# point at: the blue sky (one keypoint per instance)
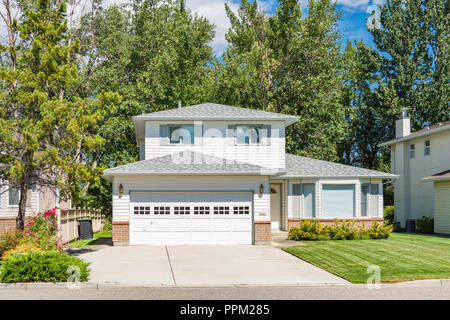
(352, 23)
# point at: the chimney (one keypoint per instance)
(403, 125)
(179, 104)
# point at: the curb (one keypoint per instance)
(96, 286)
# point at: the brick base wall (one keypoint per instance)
(7, 225)
(367, 222)
(120, 232)
(263, 231)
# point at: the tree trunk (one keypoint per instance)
(20, 220)
(24, 186)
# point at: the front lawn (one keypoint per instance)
(90, 242)
(402, 257)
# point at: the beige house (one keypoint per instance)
(38, 200)
(417, 157)
(441, 185)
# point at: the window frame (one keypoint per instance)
(172, 127)
(412, 150)
(9, 205)
(366, 196)
(255, 127)
(425, 147)
(322, 197)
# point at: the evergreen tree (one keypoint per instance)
(45, 127)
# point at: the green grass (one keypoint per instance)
(88, 243)
(402, 257)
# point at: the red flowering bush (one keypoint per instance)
(43, 231)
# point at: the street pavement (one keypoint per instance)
(418, 290)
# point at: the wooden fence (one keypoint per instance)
(67, 220)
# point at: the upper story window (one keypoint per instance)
(412, 151)
(177, 134)
(427, 150)
(249, 134)
(181, 134)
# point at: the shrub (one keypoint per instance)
(380, 230)
(21, 248)
(425, 225)
(107, 226)
(35, 266)
(342, 231)
(42, 230)
(388, 213)
(10, 240)
(308, 230)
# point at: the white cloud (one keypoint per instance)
(214, 11)
(360, 4)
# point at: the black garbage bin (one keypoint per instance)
(410, 225)
(85, 229)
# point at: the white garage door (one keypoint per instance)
(161, 218)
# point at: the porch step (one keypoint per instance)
(278, 235)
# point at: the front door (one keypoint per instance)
(275, 206)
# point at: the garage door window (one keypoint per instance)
(221, 210)
(338, 201)
(161, 210)
(141, 210)
(201, 210)
(241, 210)
(182, 210)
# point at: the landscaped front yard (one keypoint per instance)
(402, 257)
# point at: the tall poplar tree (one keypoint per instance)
(290, 64)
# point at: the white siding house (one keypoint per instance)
(216, 174)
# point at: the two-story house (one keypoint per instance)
(420, 158)
(217, 174)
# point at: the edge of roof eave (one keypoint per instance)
(432, 179)
(395, 176)
(263, 173)
(414, 135)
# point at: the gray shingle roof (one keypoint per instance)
(189, 163)
(214, 111)
(300, 167)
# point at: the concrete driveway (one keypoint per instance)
(203, 266)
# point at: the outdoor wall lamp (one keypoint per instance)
(261, 190)
(121, 189)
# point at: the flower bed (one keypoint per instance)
(37, 253)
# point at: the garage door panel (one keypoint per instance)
(191, 218)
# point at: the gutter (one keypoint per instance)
(415, 135)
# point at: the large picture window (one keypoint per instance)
(338, 201)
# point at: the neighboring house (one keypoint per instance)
(441, 201)
(37, 201)
(216, 174)
(419, 157)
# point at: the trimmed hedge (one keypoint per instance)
(345, 230)
(35, 266)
